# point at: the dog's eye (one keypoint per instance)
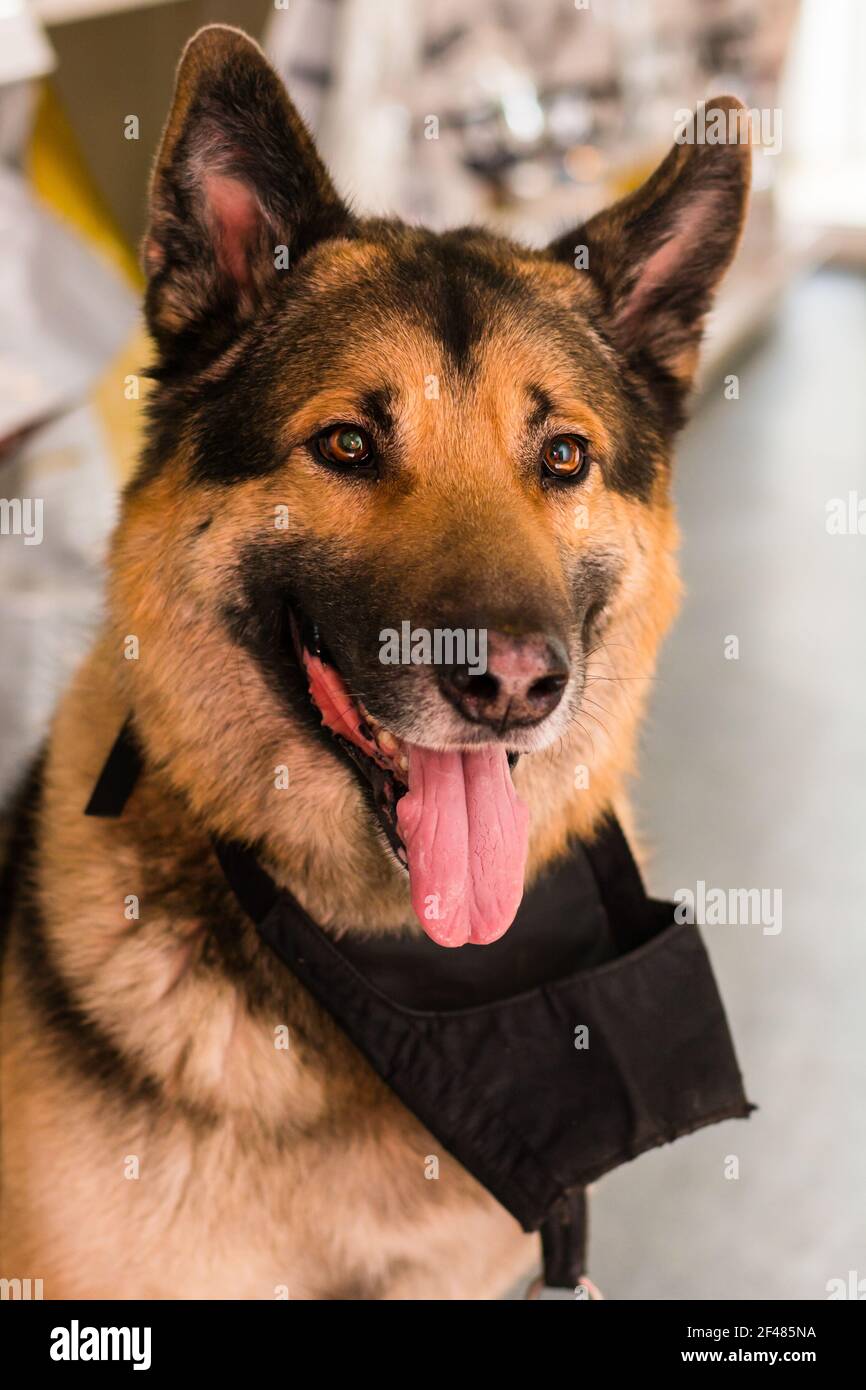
(565, 456)
(344, 445)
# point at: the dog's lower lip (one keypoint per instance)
(356, 733)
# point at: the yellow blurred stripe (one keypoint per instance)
(59, 176)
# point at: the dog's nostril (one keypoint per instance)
(546, 686)
(483, 688)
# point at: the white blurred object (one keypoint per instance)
(25, 52)
(51, 592)
(25, 55)
(65, 313)
(347, 64)
(824, 148)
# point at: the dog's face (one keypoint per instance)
(409, 487)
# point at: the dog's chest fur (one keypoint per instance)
(190, 1124)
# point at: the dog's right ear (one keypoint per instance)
(238, 194)
(657, 255)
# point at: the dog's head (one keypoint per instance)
(405, 502)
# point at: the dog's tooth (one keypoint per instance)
(402, 762)
(387, 742)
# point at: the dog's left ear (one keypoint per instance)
(238, 195)
(657, 255)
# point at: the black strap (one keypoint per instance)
(253, 887)
(620, 885)
(118, 777)
(564, 1238)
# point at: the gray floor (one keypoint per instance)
(754, 775)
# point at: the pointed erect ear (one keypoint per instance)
(238, 194)
(656, 256)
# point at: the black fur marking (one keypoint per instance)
(636, 465)
(375, 405)
(277, 581)
(259, 621)
(456, 320)
(92, 1052)
(18, 818)
(594, 585)
(454, 285)
(542, 408)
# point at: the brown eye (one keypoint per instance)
(565, 455)
(344, 445)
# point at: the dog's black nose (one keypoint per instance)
(523, 682)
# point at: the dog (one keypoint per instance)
(355, 425)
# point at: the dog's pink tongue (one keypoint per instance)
(466, 833)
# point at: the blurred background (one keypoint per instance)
(528, 117)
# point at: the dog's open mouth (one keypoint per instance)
(452, 817)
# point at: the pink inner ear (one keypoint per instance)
(662, 266)
(234, 213)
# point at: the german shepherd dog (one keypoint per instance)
(355, 424)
